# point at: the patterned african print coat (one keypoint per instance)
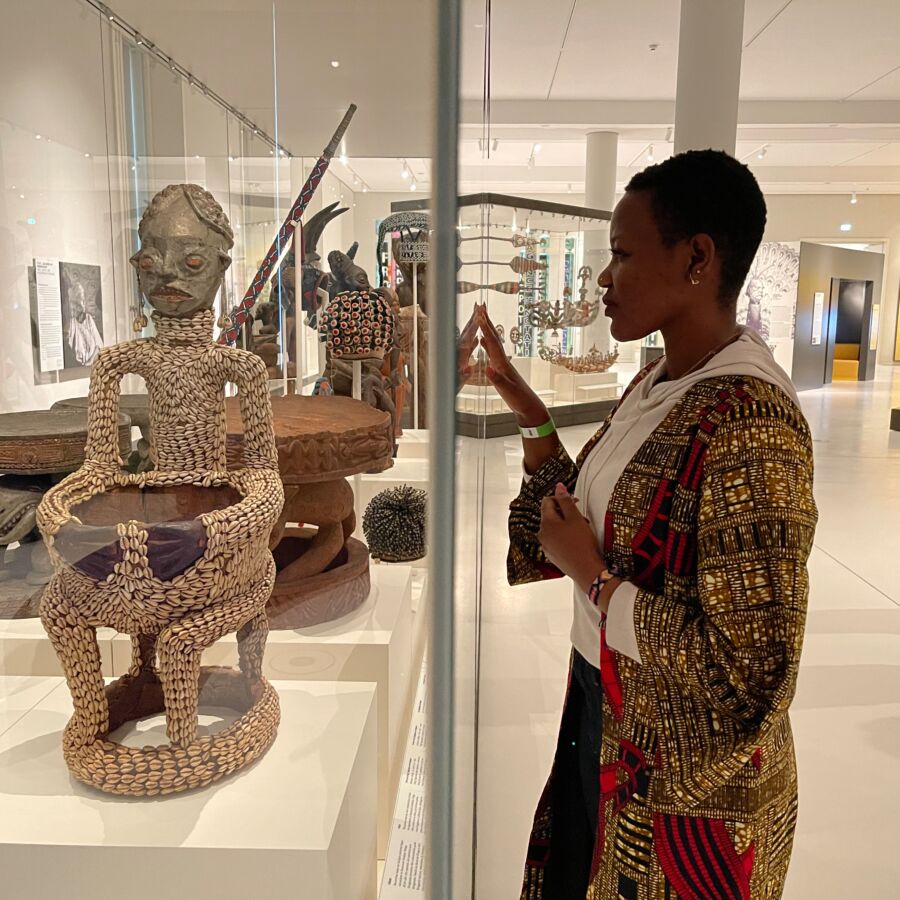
(713, 520)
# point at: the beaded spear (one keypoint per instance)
(238, 315)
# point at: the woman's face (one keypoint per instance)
(647, 283)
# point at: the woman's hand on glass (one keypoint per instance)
(465, 347)
(504, 376)
(568, 540)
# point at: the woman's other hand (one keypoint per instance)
(568, 540)
(503, 375)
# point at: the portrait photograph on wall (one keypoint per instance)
(82, 313)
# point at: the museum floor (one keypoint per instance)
(846, 715)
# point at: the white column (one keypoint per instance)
(601, 161)
(709, 74)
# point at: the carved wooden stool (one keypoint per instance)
(323, 572)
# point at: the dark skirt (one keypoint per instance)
(576, 786)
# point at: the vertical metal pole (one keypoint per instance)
(415, 344)
(442, 425)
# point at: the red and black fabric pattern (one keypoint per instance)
(698, 858)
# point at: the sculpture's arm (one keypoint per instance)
(111, 365)
(249, 373)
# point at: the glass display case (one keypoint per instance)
(535, 264)
(213, 551)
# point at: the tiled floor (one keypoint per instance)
(847, 711)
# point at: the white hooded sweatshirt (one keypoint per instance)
(639, 415)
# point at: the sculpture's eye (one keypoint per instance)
(194, 262)
(147, 262)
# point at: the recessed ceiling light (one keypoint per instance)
(87, 155)
(37, 137)
(21, 196)
(846, 227)
(335, 64)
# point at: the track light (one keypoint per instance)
(854, 199)
(537, 148)
(651, 156)
(761, 153)
(495, 145)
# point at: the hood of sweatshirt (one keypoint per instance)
(748, 356)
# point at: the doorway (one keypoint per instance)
(851, 306)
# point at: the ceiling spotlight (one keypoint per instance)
(414, 187)
(569, 191)
(538, 148)
(761, 153)
(365, 189)
(405, 173)
(21, 196)
(846, 227)
(335, 64)
(196, 156)
(355, 180)
(343, 159)
(854, 199)
(139, 40)
(87, 155)
(650, 155)
(670, 134)
(231, 159)
(37, 137)
(495, 145)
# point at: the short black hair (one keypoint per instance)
(708, 192)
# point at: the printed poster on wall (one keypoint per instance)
(768, 300)
(49, 314)
(69, 314)
(818, 317)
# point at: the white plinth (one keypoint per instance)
(578, 388)
(299, 823)
(25, 649)
(413, 444)
(372, 644)
(537, 372)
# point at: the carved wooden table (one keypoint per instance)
(323, 572)
(36, 449)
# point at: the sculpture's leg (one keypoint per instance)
(251, 646)
(180, 646)
(143, 653)
(252, 637)
(75, 643)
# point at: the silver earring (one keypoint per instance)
(695, 280)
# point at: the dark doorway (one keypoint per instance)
(853, 299)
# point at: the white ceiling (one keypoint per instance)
(820, 83)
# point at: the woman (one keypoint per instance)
(685, 525)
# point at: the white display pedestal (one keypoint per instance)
(374, 643)
(537, 372)
(485, 399)
(25, 649)
(572, 387)
(299, 823)
(413, 444)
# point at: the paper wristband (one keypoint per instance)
(541, 431)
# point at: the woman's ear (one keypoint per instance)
(703, 255)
